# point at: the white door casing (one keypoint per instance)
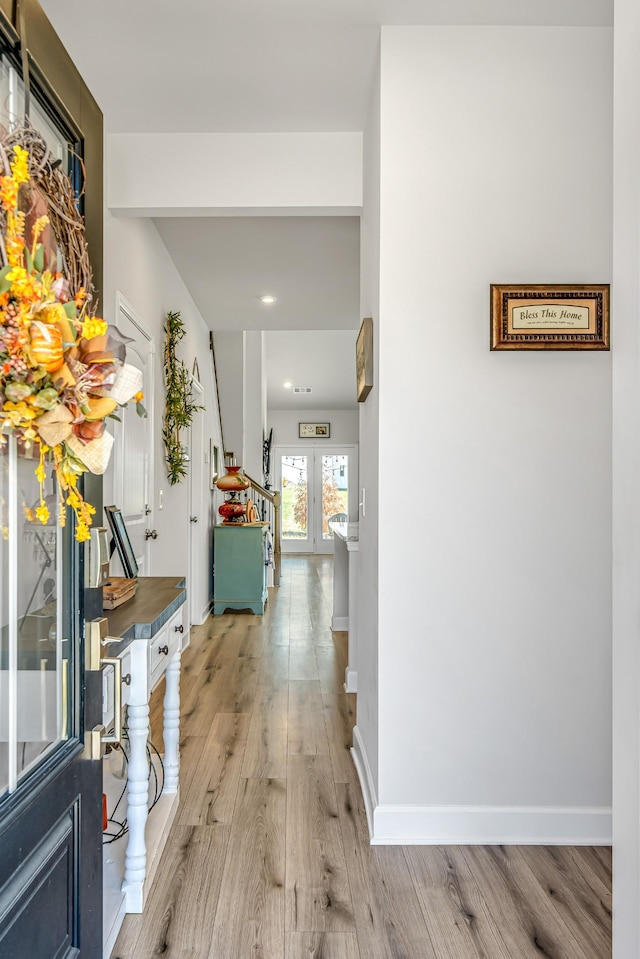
(133, 447)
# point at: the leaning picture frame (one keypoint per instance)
(214, 464)
(364, 360)
(558, 316)
(121, 541)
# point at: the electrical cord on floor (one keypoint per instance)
(123, 827)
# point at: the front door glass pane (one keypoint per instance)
(34, 674)
(35, 669)
(335, 492)
(295, 498)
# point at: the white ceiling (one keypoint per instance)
(311, 264)
(324, 360)
(258, 65)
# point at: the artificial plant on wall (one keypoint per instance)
(179, 408)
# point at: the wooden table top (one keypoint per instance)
(156, 600)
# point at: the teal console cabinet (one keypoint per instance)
(240, 573)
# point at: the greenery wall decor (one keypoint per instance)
(179, 409)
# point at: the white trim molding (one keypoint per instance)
(367, 785)
(350, 680)
(340, 623)
(491, 825)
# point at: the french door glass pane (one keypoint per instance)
(335, 492)
(34, 675)
(295, 488)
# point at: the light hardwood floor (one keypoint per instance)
(269, 855)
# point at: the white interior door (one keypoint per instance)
(198, 573)
(133, 448)
(317, 484)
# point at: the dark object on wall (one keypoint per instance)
(550, 316)
(266, 460)
(364, 359)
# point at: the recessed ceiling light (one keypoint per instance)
(268, 298)
(287, 385)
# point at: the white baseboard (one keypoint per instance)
(491, 825)
(340, 623)
(367, 785)
(350, 681)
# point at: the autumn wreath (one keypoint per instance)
(62, 369)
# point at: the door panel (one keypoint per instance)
(50, 817)
(294, 468)
(50, 796)
(334, 496)
(44, 894)
(199, 494)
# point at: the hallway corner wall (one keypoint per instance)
(626, 482)
(494, 585)
(366, 736)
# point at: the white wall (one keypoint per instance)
(366, 736)
(494, 668)
(232, 173)
(626, 483)
(137, 264)
(344, 426)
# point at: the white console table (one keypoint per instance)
(345, 594)
(152, 634)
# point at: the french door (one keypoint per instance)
(319, 485)
(50, 699)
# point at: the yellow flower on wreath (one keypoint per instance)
(24, 284)
(42, 513)
(8, 192)
(17, 414)
(93, 326)
(20, 165)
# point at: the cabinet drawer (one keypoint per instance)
(126, 671)
(163, 646)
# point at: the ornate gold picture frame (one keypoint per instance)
(550, 317)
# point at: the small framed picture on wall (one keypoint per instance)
(314, 431)
(556, 316)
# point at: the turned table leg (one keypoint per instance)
(137, 800)
(171, 728)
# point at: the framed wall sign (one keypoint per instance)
(550, 317)
(364, 359)
(314, 430)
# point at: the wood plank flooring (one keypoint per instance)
(269, 855)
